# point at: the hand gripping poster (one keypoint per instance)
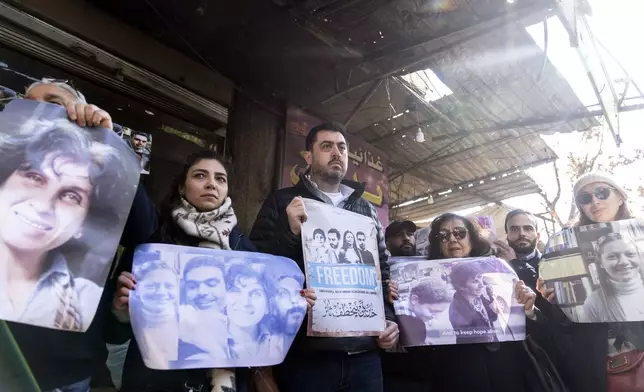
(65, 195)
(204, 308)
(456, 301)
(596, 271)
(342, 265)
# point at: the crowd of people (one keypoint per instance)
(558, 355)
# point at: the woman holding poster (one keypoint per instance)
(198, 213)
(59, 187)
(599, 357)
(486, 367)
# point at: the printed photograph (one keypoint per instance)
(342, 265)
(65, 195)
(456, 301)
(141, 144)
(599, 278)
(184, 294)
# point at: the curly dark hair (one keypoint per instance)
(480, 246)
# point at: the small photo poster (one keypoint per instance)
(343, 266)
(456, 301)
(199, 308)
(597, 271)
(141, 144)
(65, 195)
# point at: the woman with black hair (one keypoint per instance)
(349, 253)
(483, 367)
(198, 212)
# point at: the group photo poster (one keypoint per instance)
(456, 301)
(343, 266)
(65, 196)
(141, 144)
(199, 308)
(597, 271)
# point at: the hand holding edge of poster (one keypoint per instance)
(596, 271)
(251, 300)
(341, 259)
(434, 306)
(90, 176)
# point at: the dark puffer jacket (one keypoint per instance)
(272, 234)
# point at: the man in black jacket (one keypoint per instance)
(521, 250)
(313, 363)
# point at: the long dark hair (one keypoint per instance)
(169, 230)
(480, 246)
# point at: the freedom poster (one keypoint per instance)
(596, 271)
(65, 195)
(456, 301)
(343, 266)
(199, 308)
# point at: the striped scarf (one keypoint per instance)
(213, 228)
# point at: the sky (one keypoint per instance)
(612, 22)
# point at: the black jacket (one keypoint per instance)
(136, 376)
(272, 234)
(59, 358)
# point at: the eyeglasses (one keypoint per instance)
(601, 193)
(459, 233)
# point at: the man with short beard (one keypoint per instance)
(521, 250)
(329, 364)
(290, 313)
(365, 255)
(400, 238)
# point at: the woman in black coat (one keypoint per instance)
(198, 212)
(482, 367)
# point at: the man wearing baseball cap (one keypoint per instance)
(400, 240)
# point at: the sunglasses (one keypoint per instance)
(601, 193)
(458, 232)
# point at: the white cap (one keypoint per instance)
(591, 177)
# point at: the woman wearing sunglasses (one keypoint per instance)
(484, 367)
(586, 351)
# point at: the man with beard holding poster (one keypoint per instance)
(350, 364)
(521, 250)
(400, 238)
(65, 360)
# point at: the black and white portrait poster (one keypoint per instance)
(206, 308)
(343, 266)
(456, 301)
(596, 271)
(65, 195)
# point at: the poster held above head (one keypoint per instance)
(456, 301)
(65, 194)
(597, 271)
(251, 301)
(345, 273)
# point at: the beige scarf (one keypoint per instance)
(212, 228)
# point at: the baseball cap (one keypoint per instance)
(396, 227)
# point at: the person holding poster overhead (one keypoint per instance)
(316, 363)
(486, 367)
(599, 356)
(66, 360)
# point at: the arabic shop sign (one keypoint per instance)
(366, 163)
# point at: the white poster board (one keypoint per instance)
(342, 265)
